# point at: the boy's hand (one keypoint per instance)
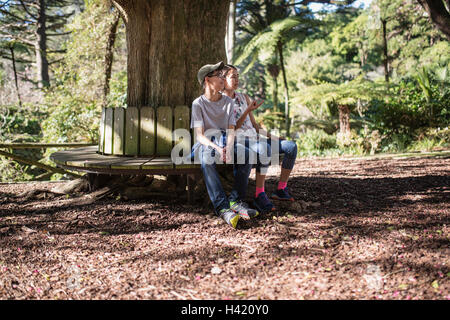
(223, 153)
(255, 105)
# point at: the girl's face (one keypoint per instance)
(232, 80)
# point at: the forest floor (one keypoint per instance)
(361, 228)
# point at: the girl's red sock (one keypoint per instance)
(282, 185)
(258, 191)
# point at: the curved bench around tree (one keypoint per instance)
(134, 141)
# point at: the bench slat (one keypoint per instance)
(133, 163)
(148, 127)
(164, 129)
(158, 163)
(119, 130)
(101, 135)
(109, 121)
(131, 131)
(182, 121)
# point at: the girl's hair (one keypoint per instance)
(227, 68)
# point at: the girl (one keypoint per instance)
(247, 126)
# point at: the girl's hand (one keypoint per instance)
(255, 105)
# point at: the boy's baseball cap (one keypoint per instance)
(207, 69)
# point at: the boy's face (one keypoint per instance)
(215, 80)
(232, 80)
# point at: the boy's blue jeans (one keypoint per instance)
(216, 193)
(241, 171)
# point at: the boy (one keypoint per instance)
(214, 123)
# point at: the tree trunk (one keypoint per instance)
(274, 71)
(231, 34)
(109, 57)
(286, 92)
(439, 14)
(41, 47)
(385, 52)
(167, 42)
(344, 120)
(11, 48)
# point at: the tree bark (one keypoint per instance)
(11, 48)
(286, 90)
(109, 55)
(43, 77)
(274, 71)
(385, 52)
(344, 120)
(167, 42)
(439, 14)
(231, 34)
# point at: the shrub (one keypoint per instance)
(315, 142)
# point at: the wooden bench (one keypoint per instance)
(135, 141)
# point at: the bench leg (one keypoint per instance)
(190, 188)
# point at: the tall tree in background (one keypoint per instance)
(34, 23)
(267, 25)
(109, 55)
(16, 82)
(404, 32)
(439, 13)
(265, 28)
(230, 38)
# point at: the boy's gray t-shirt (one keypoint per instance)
(213, 114)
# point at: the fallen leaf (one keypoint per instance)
(28, 230)
(435, 284)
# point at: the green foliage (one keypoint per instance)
(322, 98)
(20, 125)
(431, 139)
(407, 108)
(357, 42)
(74, 103)
(73, 120)
(269, 119)
(315, 63)
(317, 142)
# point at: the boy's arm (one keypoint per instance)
(230, 143)
(200, 134)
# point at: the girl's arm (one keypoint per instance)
(241, 120)
(258, 129)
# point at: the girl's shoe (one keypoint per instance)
(263, 204)
(282, 194)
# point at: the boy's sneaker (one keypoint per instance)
(282, 194)
(263, 204)
(242, 209)
(230, 217)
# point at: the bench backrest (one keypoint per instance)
(145, 131)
